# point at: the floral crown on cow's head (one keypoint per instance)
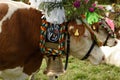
(73, 8)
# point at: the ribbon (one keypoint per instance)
(92, 17)
(110, 23)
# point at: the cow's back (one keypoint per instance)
(19, 36)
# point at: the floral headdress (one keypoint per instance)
(75, 8)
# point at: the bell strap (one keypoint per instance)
(68, 50)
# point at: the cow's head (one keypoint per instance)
(81, 41)
(104, 33)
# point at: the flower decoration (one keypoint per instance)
(91, 9)
(76, 3)
(75, 8)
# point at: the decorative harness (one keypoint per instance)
(52, 33)
(52, 40)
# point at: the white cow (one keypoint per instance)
(112, 54)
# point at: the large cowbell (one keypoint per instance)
(52, 44)
(54, 66)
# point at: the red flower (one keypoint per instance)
(77, 3)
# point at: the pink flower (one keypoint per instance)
(77, 3)
(91, 9)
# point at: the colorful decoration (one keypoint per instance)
(53, 11)
(58, 11)
(76, 8)
(110, 23)
(77, 3)
(92, 17)
(52, 34)
(106, 26)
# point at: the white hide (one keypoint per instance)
(13, 74)
(112, 54)
(12, 9)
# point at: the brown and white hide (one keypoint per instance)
(19, 39)
(80, 44)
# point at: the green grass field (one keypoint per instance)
(83, 70)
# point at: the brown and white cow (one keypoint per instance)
(82, 43)
(19, 41)
(19, 38)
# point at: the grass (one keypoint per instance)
(83, 70)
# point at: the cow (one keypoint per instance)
(20, 54)
(82, 38)
(112, 54)
(19, 37)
